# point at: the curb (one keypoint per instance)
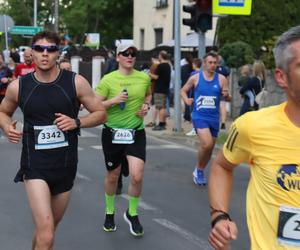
(179, 137)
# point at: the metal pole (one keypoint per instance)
(56, 15)
(177, 57)
(201, 44)
(35, 13)
(5, 29)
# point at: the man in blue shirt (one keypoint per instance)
(208, 88)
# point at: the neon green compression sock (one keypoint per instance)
(110, 203)
(133, 205)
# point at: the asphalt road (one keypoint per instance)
(173, 210)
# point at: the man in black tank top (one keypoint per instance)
(49, 99)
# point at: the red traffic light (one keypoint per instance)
(204, 5)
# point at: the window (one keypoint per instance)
(158, 36)
(142, 39)
(161, 4)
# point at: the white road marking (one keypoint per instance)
(86, 134)
(185, 147)
(201, 243)
(166, 146)
(142, 204)
(83, 177)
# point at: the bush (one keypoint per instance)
(237, 54)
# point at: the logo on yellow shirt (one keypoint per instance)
(288, 177)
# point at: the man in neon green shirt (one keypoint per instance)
(126, 95)
(268, 140)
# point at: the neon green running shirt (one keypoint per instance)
(137, 85)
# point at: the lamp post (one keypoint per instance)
(177, 56)
(56, 3)
(35, 13)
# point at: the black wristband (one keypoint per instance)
(223, 216)
(78, 124)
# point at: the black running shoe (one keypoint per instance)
(109, 223)
(135, 227)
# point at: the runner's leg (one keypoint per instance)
(59, 205)
(39, 198)
(207, 143)
(111, 180)
(136, 172)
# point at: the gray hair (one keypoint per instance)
(282, 50)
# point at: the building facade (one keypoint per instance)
(154, 23)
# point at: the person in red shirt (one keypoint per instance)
(26, 67)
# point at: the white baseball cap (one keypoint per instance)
(125, 46)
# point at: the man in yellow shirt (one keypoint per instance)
(269, 141)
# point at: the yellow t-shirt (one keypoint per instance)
(270, 143)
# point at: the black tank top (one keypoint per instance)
(39, 103)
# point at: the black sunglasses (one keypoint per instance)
(42, 48)
(128, 53)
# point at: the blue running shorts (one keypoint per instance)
(214, 126)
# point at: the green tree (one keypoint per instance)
(237, 54)
(22, 14)
(111, 18)
(268, 19)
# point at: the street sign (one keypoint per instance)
(25, 30)
(232, 7)
(6, 22)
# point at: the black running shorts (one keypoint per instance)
(114, 153)
(59, 180)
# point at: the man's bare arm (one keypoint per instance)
(190, 84)
(146, 105)
(7, 108)
(225, 87)
(91, 102)
(219, 190)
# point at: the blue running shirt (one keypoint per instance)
(207, 98)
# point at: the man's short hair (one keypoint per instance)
(282, 52)
(164, 55)
(211, 53)
(50, 36)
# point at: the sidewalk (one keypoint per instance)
(170, 134)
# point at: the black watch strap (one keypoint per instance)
(222, 216)
(78, 123)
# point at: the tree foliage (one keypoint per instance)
(267, 20)
(112, 19)
(237, 54)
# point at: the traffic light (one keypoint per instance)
(204, 15)
(201, 15)
(192, 9)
